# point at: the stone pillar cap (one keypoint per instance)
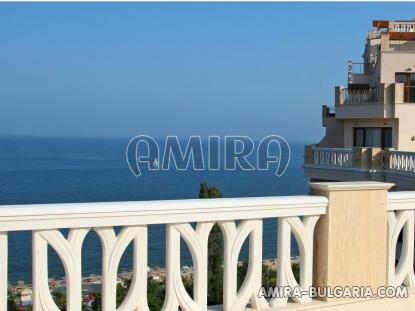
(350, 186)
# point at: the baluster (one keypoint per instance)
(69, 251)
(316, 157)
(403, 273)
(405, 162)
(349, 159)
(3, 270)
(303, 233)
(394, 162)
(408, 162)
(197, 242)
(113, 249)
(234, 238)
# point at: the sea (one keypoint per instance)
(68, 169)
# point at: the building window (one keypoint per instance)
(377, 137)
(408, 79)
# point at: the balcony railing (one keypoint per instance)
(337, 157)
(402, 161)
(360, 96)
(238, 219)
(393, 160)
(358, 68)
(402, 46)
(364, 163)
(401, 220)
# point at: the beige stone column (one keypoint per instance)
(350, 240)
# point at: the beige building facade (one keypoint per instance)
(377, 107)
(370, 130)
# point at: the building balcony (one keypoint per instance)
(380, 102)
(359, 73)
(356, 258)
(349, 164)
(365, 103)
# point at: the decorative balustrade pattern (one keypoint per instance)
(296, 214)
(401, 216)
(402, 161)
(338, 157)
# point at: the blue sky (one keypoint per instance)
(107, 69)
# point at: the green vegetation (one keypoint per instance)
(11, 301)
(59, 296)
(215, 252)
(155, 294)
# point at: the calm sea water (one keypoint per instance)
(52, 170)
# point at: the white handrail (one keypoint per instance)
(85, 215)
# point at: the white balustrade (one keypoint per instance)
(296, 214)
(402, 161)
(401, 216)
(337, 157)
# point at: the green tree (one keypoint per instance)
(155, 294)
(269, 275)
(11, 301)
(60, 299)
(215, 251)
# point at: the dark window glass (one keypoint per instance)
(373, 137)
(359, 137)
(401, 78)
(410, 98)
(409, 86)
(376, 137)
(388, 138)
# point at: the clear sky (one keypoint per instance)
(93, 69)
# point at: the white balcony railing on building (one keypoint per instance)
(402, 161)
(338, 157)
(238, 219)
(361, 96)
(401, 215)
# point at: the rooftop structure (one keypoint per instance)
(370, 132)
